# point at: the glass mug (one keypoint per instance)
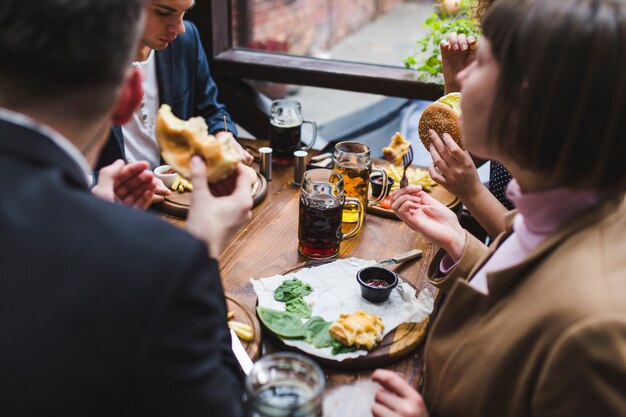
(284, 385)
(352, 160)
(286, 130)
(319, 221)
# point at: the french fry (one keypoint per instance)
(230, 315)
(176, 183)
(242, 330)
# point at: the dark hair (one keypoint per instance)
(56, 48)
(560, 106)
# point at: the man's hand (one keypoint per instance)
(431, 218)
(396, 398)
(129, 184)
(457, 52)
(216, 219)
(246, 158)
(452, 166)
(160, 190)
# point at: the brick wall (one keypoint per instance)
(306, 27)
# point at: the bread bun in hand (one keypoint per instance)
(180, 140)
(442, 116)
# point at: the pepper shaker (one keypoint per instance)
(300, 166)
(266, 162)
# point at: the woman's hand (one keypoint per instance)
(426, 215)
(452, 166)
(457, 52)
(396, 398)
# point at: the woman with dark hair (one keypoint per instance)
(536, 325)
(453, 167)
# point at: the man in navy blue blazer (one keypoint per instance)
(104, 310)
(176, 72)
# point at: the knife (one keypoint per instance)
(240, 353)
(403, 257)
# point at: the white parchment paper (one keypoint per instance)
(336, 291)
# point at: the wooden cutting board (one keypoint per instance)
(243, 315)
(399, 343)
(177, 204)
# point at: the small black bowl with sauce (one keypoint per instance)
(376, 183)
(376, 283)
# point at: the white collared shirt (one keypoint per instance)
(61, 141)
(140, 142)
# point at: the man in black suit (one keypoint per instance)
(104, 310)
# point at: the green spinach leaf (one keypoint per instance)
(290, 289)
(317, 332)
(299, 307)
(282, 323)
(340, 348)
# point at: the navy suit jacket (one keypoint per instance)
(104, 310)
(185, 83)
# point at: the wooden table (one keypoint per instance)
(268, 245)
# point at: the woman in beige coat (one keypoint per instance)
(536, 326)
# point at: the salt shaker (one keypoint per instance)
(300, 166)
(266, 162)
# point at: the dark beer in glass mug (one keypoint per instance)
(285, 130)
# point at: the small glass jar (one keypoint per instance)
(284, 385)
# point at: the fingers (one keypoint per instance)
(410, 189)
(394, 383)
(436, 175)
(453, 39)
(198, 176)
(131, 170)
(379, 410)
(453, 148)
(135, 185)
(401, 202)
(160, 189)
(244, 183)
(442, 156)
(472, 42)
(145, 200)
(462, 39)
(247, 158)
(109, 173)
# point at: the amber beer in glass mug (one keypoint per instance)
(285, 132)
(319, 220)
(352, 160)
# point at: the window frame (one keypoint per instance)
(242, 63)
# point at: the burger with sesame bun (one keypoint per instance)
(442, 116)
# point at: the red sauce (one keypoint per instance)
(378, 283)
(377, 180)
(168, 172)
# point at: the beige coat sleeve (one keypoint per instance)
(473, 252)
(585, 372)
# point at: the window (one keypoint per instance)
(235, 34)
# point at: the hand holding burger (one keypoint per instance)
(442, 116)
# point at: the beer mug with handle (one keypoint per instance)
(285, 133)
(322, 201)
(353, 161)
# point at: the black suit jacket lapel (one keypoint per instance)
(119, 137)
